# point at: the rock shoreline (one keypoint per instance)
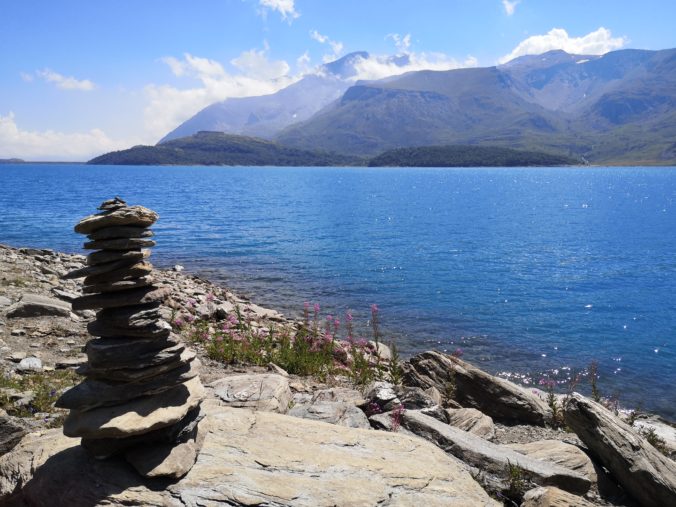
(272, 438)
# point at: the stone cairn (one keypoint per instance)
(141, 395)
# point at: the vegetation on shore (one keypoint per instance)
(218, 148)
(312, 347)
(467, 156)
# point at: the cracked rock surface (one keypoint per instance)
(250, 458)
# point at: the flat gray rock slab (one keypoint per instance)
(268, 392)
(34, 305)
(90, 393)
(641, 469)
(561, 453)
(137, 416)
(341, 394)
(472, 420)
(142, 296)
(136, 216)
(332, 412)
(489, 457)
(249, 458)
(121, 232)
(552, 497)
(498, 398)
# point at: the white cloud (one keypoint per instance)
(64, 82)
(336, 47)
(510, 6)
(303, 63)
(168, 106)
(27, 77)
(594, 43)
(255, 64)
(286, 8)
(380, 66)
(53, 145)
(402, 43)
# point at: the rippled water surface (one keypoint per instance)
(529, 271)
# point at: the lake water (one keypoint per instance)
(531, 271)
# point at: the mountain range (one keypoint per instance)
(266, 115)
(618, 108)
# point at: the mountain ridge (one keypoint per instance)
(613, 108)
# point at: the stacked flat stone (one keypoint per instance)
(141, 394)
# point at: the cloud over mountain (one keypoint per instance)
(597, 42)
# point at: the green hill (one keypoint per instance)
(217, 148)
(467, 156)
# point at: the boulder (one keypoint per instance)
(12, 430)
(552, 497)
(383, 395)
(491, 458)
(4, 302)
(414, 398)
(333, 412)
(641, 469)
(267, 392)
(561, 453)
(172, 460)
(29, 364)
(389, 421)
(472, 420)
(33, 305)
(498, 398)
(249, 458)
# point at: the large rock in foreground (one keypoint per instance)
(249, 458)
(495, 397)
(34, 305)
(491, 458)
(642, 471)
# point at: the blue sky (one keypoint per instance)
(81, 77)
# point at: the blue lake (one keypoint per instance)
(530, 271)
